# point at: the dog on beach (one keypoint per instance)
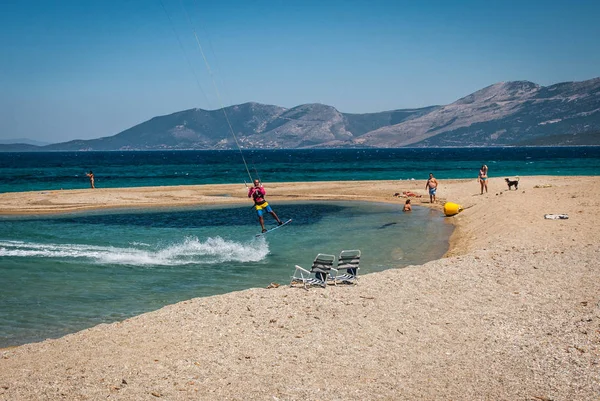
(512, 183)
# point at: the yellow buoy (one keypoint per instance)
(450, 209)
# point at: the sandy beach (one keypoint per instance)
(512, 312)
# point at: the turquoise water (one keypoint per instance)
(66, 170)
(65, 273)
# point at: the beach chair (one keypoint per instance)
(347, 267)
(318, 274)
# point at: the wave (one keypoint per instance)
(189, 251)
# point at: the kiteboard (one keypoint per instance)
(274, 228)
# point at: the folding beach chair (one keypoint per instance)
(318, 274)
(348, 261)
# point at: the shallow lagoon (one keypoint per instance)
(66, 273)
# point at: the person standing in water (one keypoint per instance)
(257, 193)
(91, 176)
(483, 177)
(407, 206)
(432, 187)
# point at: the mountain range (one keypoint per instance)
(517, 113)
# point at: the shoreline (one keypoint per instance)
(512, 311)
(37, 203)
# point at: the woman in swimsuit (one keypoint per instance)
(91, 176)
(483, 176)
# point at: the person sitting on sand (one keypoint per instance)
(91, 175)
(407, 206)
(258, 192)
(432, 186)
(407, 194)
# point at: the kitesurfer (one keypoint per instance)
(257, 193)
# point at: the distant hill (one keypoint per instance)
(504, 114)
(18, 141)
(20, 147)
(255, 125)
(518, 113)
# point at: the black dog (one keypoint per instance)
(512, 183)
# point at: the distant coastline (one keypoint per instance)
(40, 149)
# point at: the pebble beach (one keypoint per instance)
(512, 312)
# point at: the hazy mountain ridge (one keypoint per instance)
(502, 114)
(513, 113)
(188, 129)
(22, 141)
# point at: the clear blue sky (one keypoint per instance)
(87, 69)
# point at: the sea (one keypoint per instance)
(64, 273)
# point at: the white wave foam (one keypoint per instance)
(190, 251)
(135, 243)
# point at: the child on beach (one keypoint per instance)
(407, 206)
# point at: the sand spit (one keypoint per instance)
(512, 312)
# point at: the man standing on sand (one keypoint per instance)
(432, 186)
(257, 193)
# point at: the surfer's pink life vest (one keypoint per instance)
(258, 194)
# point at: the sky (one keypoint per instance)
(88, 69)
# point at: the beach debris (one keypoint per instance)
(272, 285)
(450, 209)
(543, 186)
(541, 398)
(156, 394)
(556, 216)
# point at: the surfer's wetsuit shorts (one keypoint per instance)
(261, 208)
